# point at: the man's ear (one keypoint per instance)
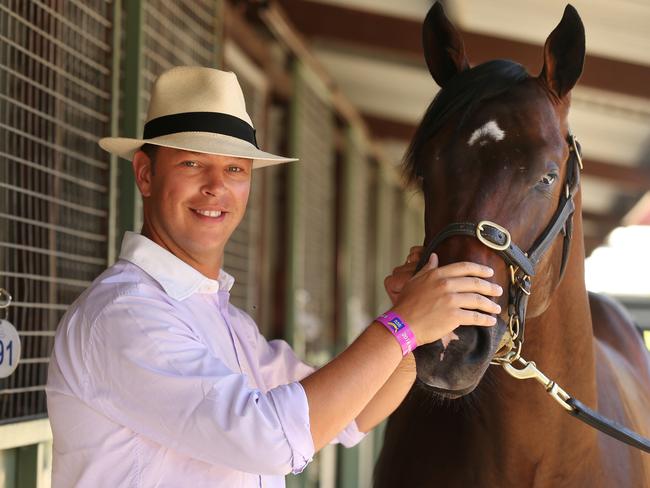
(564, 54)
(142, 170)
(443, 45)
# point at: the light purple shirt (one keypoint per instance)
(157, 380)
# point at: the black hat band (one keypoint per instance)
(218, 123)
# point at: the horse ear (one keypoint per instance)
(444, 50)
(564, 54)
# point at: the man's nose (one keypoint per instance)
(214, 182)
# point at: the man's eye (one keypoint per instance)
(190, 164)
(235, 169)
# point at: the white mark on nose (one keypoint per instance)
(445, 342)
(489, 130)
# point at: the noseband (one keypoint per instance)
(522, 268)
(521, 264)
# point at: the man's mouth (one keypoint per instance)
(213, 214)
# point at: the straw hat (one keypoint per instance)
(197, 109)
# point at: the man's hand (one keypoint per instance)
(401, 274)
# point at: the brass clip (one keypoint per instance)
(530, 371)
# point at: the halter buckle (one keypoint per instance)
(487, 242)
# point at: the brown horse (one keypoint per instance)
(495, 145)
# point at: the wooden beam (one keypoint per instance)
(403, 36)
(383, 128)
(633, 178)
(608, 220)
(253, 43)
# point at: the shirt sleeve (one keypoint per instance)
(150, 373)
(279, 365)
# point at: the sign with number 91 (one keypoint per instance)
(9, 348)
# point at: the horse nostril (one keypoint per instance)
(478, 344)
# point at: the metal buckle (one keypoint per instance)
(488, 243)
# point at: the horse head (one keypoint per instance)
(494, 145)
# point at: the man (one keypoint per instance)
(156, 380)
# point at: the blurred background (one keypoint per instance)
(339, 84)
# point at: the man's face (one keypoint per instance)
(193, 201)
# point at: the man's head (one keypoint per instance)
(197, 109)
(194, 160)
(192, 202)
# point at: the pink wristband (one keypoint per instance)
(399, 329)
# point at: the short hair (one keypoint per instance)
(151, 150)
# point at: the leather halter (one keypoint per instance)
(522, 268)
(522, 264)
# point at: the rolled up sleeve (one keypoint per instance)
(150, 374)
(279, 364)
(350, 436)
(295, 423)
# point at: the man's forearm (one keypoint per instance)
(389, 396)
(340, 390)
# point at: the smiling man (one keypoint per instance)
(194, 202)
(157, 380)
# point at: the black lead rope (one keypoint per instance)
(613, 429)
(524, 263)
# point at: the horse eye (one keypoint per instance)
(548, 179)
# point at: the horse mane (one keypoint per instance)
(461, 95)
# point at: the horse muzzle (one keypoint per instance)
(457, 369)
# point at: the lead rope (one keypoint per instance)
(570, 404)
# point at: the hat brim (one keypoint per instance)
(203, 142)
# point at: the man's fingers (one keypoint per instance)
(473, 284)
(431, 264)
(474, 301)
(415, 253)
(470, 317)
(464, 268)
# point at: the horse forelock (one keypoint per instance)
(459, 98)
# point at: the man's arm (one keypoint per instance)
(389, 397)
(433, 303)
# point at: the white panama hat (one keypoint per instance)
(200, 110)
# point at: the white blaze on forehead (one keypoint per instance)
(490, 129)
(445, 342)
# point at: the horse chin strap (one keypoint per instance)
(522, 268)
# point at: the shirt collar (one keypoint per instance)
(177, 278)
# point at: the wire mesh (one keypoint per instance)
(316, 210)
(359, 301)
(54, 103)
(241, 256)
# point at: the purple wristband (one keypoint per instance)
(402, 332)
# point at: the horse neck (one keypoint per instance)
(560, 341)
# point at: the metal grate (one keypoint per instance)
(54, 104)
(359, 300)
(242, 253)
(173, 34)
(316, 208)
